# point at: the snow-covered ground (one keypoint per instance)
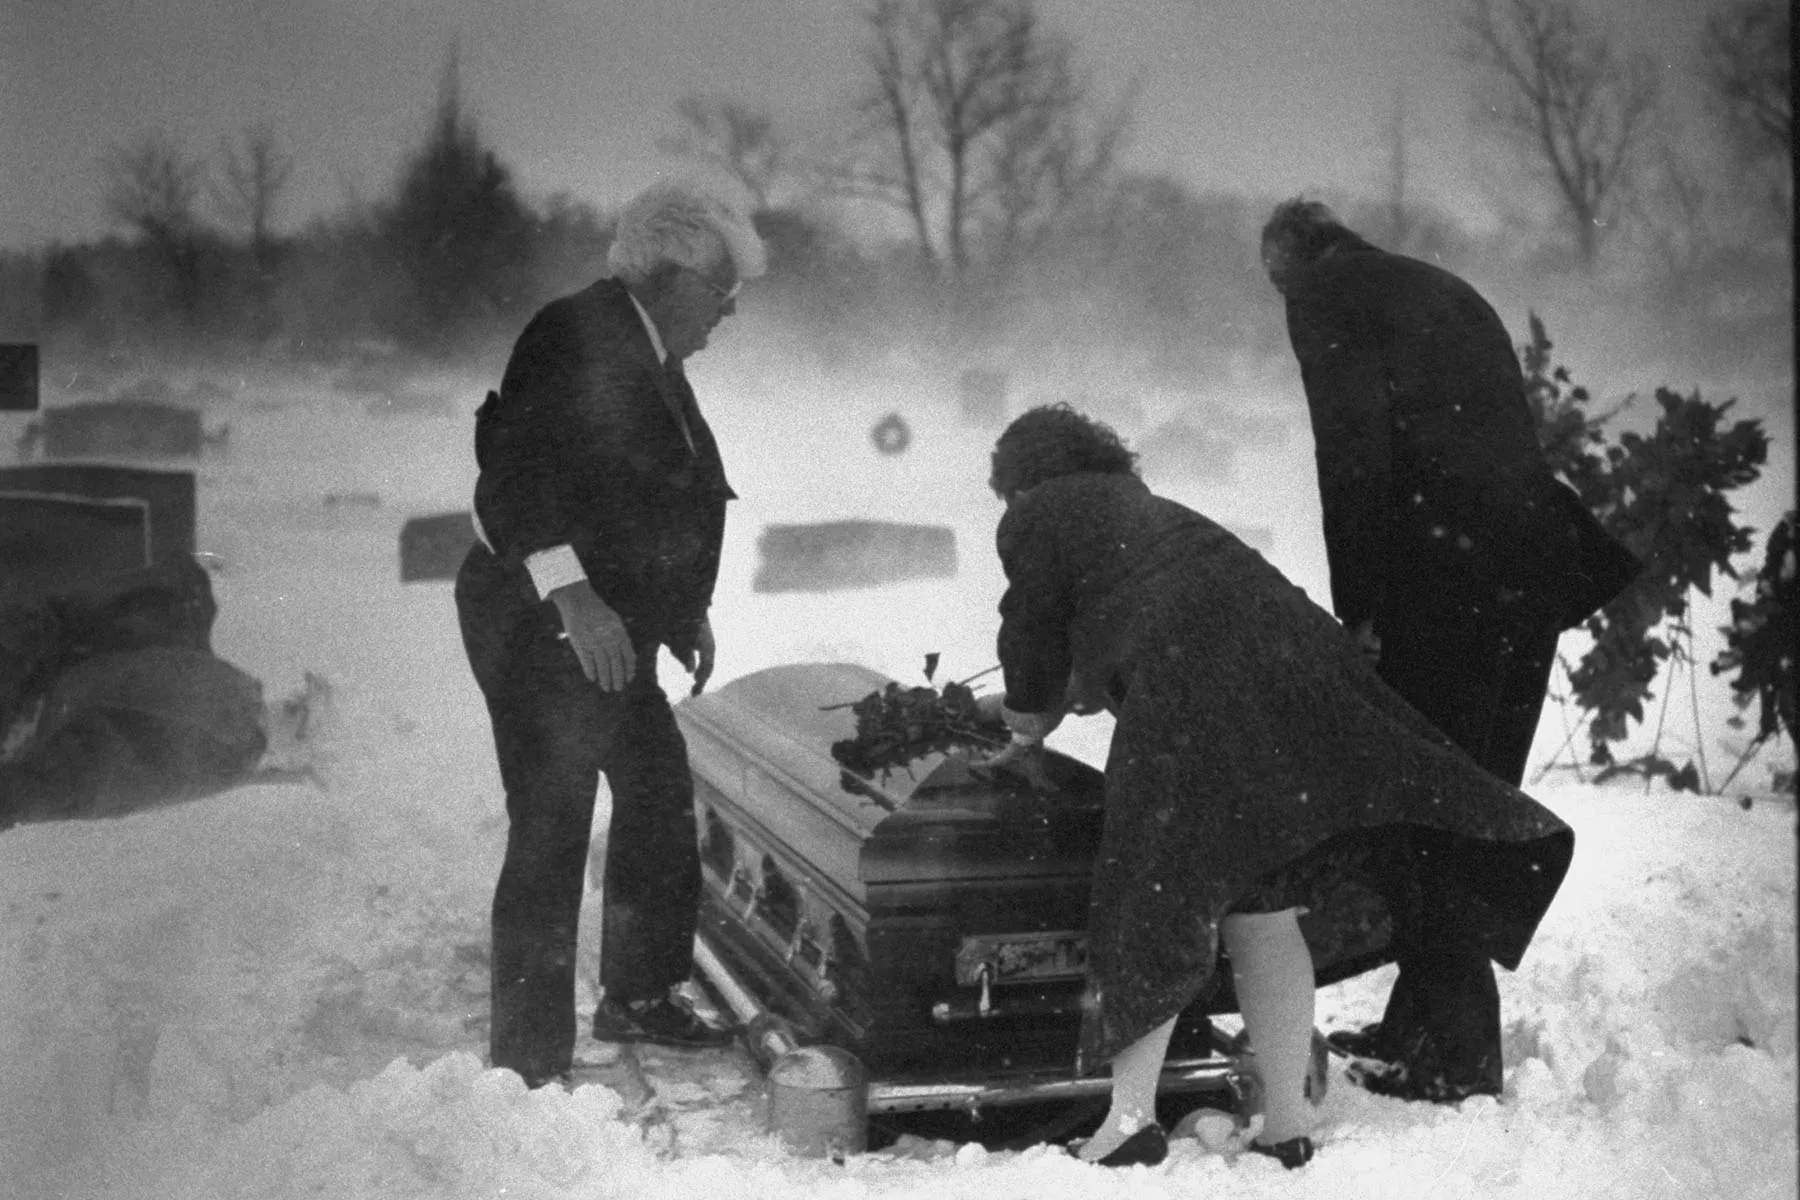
(281, 991)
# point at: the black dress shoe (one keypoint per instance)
(1359, 1043)
(660, 1022)
(1295, 1152)
(1396, 1081)
(1147, 1147)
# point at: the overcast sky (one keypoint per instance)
(1263, 96)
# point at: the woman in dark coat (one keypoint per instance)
(1264, 787)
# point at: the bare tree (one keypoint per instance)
(256, 173)
(1748, 70)
(1677, 210)
(1746, 67)
(978, 127)
(740, 140)
(153, 188)
(1048, 162)
(1579, 104)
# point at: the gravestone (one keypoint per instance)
(52, 542)
(169, 494)
(125, 428)
(433, 547)
(835, 555)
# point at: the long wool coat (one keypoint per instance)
(1435, 492)
(1255, 754)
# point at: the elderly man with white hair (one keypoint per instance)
(600, 509)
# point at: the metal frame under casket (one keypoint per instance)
(930, 923)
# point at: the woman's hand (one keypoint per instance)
(1025, 758)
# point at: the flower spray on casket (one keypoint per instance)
(896, 726)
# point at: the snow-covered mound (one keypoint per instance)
(280, 991)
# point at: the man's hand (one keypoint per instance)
(1367, 640)
(596, 635)
(699, 660)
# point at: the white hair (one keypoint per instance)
(677, 222)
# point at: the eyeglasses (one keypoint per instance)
(725, 295)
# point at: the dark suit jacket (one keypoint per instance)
(1434, 487)
(581, 446)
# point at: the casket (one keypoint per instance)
(930, 922)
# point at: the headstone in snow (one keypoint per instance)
(169, 494)
(126, 428)
(837, 555)
(433, 547)
(50, 542)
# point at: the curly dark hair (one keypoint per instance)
(1053, 440)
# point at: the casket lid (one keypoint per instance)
(764, 742)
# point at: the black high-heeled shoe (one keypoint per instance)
(1293, 1153)
(1147, 1147)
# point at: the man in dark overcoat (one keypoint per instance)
(1456, 557)
(600, 509)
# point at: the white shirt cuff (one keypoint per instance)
(554, 568)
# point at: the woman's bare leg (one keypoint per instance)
(1135, 1072)
(1273, 972)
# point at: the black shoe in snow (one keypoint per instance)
(1294, 1153)
(660, 1022)
(1359, 1043)
(1145, 1148)
(1396, 1081)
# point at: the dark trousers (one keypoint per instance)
(1478, 679)
(1481, 679)
(555, 733)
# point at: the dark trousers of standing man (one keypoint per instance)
(1480, 677)
(555, 733)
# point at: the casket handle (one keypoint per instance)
(740, 876)
(803, 932)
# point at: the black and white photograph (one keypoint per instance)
(928, 599)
